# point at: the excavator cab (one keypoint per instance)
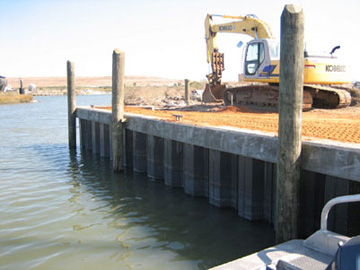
(261, 60)
(254, 58)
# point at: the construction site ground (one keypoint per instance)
(342, 125)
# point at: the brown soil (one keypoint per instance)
(339, 125)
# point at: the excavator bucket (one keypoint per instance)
(213, 93)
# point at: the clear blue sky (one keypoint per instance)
(161, 38)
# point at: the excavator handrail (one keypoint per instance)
(228, 16)
(235, 17)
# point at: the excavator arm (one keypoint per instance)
(247, 25)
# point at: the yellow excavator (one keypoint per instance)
(323, 74)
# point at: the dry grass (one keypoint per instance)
(13, 98)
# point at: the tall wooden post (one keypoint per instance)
(118, 67)
(187, 95)
(71, 97)
(290, 109)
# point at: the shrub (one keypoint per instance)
(12, 98)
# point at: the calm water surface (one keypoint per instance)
(61, 210)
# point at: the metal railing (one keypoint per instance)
(331, 203)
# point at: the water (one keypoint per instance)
(61, 210)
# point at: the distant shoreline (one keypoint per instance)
(101, 81)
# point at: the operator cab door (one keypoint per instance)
(257, 60)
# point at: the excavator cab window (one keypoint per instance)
(255, 55)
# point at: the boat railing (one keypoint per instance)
(335, 201)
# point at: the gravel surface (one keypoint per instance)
(342, 125)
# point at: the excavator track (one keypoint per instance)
(314, 96)
(328, 97)
(259, 95)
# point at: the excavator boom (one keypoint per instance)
(248, 25)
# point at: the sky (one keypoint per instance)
(162, 38)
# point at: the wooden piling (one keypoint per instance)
(187, 95)
(290, 109)
(71, 97)
(118, 68)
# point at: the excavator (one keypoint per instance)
(323, 74)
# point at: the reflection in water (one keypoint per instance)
(151, 216)
(69, 210)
